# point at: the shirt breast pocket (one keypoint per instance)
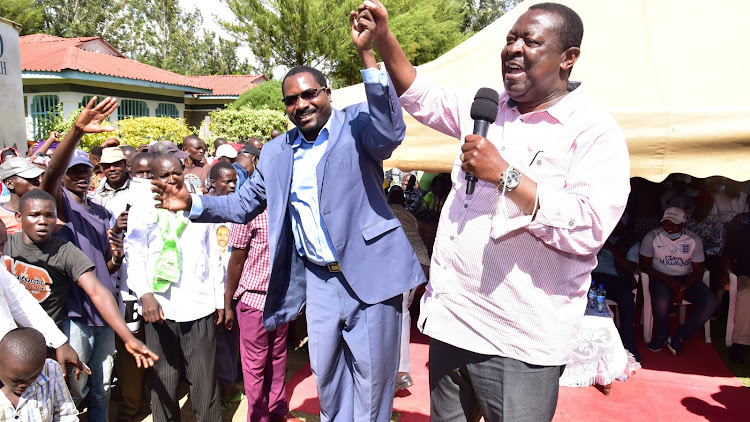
(550, 169)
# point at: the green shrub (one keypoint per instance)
(266, 95)
(235, 125)
(136, 131)
(133, 131)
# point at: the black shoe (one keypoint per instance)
(737, 353)
(675, 345)
(657, 343)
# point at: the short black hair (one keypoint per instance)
(36, 194)
(142, 156)
(395, 195)
(317, 75)
(127, 147)
(217, 168)
(165, 157)
(25, 344)
(570, 29)
(96, 151)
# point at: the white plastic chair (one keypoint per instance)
(648, 315)
(732, 303)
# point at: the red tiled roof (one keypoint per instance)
(47, 53)
(229, 85)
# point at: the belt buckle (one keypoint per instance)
(334, 267)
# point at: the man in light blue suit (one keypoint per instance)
(335, 244)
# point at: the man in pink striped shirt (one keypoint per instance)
(263, 353)
(512, 261)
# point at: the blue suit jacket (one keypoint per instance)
(374, 254)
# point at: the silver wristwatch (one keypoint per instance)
(509, 180)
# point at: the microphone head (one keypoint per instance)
(485, 105)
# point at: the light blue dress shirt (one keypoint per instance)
(310, 235)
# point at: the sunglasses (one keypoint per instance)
(307, 95)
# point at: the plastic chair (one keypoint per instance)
(648, 316)
(732, 303)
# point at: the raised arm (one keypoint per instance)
(401, 71)
(89, 121)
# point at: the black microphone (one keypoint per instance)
(483, 111)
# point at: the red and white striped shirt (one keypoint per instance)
(522, 295)
(256, 272)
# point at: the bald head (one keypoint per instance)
(24, 345)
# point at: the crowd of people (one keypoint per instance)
(160, 256)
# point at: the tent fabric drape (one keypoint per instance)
(674, 73)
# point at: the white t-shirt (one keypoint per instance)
(672, 257)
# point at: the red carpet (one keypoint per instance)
(696, 386)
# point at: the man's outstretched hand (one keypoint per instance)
(144, 357)
(173, 197)
(93, 115)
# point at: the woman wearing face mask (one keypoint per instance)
(673, 259)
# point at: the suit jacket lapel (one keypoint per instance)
(285, 163)
(337, 123)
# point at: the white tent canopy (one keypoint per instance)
(674, 73)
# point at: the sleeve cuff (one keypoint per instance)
(373, 75)
(197, 209)
(55, 338)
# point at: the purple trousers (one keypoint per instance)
(263, 355)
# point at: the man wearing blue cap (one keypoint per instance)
(86, 224)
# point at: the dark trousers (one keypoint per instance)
(620, 290)
(189, 347)
(465, 386)
(227, 352)
(704, 305)
(129, 376)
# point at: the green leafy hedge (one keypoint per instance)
(235, 125)
(266, 95)
(133, 131)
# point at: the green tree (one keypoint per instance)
(266, 95)
(27, 13)
(291, 32)
(479, 13)
(81, 18)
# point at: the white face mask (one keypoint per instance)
(674, 236)
(502, 225)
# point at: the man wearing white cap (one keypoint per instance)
(226, 153)
(673, 259)
(19, 176)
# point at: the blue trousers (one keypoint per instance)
(96, 347)
(354, 349)
(704, 305)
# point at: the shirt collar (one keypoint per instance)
(322, 136)
(561, 110)
(107, 187)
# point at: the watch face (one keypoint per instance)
(512, 179)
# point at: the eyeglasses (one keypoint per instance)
(307, 95)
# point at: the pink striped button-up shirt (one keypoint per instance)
(522, 295)
(256, 271)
